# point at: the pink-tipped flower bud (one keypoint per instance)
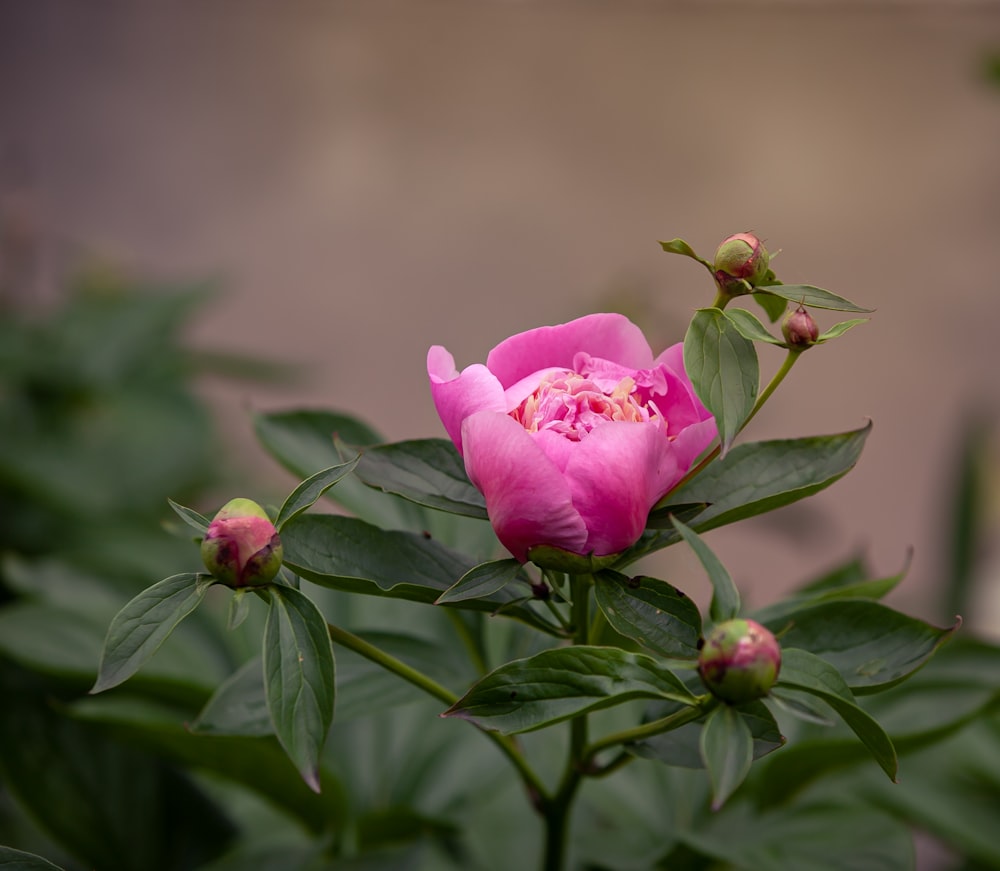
(799, 329)
(242, 547)
(741, 258)
(739, 661)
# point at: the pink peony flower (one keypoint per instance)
(572, 432)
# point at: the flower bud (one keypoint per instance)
(242, 547)
(740, 258)
(799, 329)
(739, 661)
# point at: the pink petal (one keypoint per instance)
(616, 474)
(457, 395)
(611, 336)
(528, 500)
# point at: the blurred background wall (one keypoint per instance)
(367, 178)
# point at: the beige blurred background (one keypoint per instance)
(368, 178)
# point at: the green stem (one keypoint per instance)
(779, 376)
(721, 299)
(557, 810)
(506, 745)
(702, 705)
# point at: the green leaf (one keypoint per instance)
(299, 678)
(238, 706)
(774, 306)
(806, 294)
(429, 472)
(870, 644)
(255, 762)
(727, 750)
(239, 609)
(651, 612)
(821, 836)
(305, 442)
(723, 369)
(348, 554)
(725, 596)
(839, 329)
(751, 328)
(102, 799)
(558, 684)
(682, 746)
(482, 581)
(191, 517)
(759, 477)
(144, 624)
(309, 491)
(17, 860)
(679, 246)
(802, 670)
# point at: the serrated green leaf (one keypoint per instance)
(309, 491)
(839, 329)
(191, 517)
(725, 597)
(144, 624)
(429, 472)
(802, 670)
(872, 646)
(727, 751)
(298, 678)
(651, 612)
(723, 369)
(558, 684)
(679, 246)
(806, 294)
(17, 860)
(751, 328)
(346, 553)
(481, 581)
(761, 476)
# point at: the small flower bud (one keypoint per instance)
(739, 661)
(799, 329)
(740, 258)
(242, 547)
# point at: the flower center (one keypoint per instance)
(571, 405)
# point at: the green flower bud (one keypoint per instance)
(740, 258)
(242, 547)
(799, 329)
(739, 661)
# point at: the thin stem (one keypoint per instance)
(506, 745)
(703, 704)
(778, 377)
(721, 299)
(557, 810)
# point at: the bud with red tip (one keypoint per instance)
(739, 661)
(799, 329)
(241, 547)
(740, 260)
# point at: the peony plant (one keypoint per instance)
(571, 454)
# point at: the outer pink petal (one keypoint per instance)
(611, 336)
(682, 407)
(616, 475)
(528, 500)
(457, 395)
